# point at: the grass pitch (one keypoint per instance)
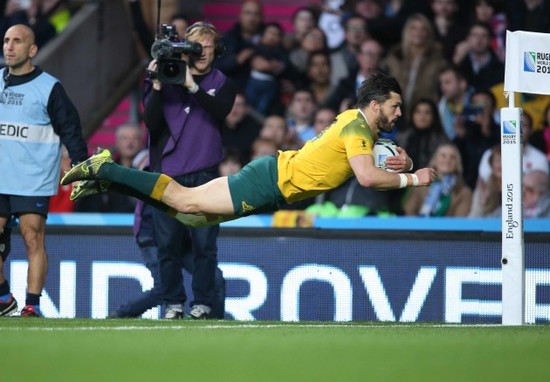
(160, 350)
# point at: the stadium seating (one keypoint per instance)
(224, 14)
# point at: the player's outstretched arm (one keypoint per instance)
(371, 176)
(426, 176)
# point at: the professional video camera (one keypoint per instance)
(167, 50)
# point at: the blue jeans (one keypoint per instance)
(172, 237)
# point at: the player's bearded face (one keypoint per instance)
(389, 111)
(384, 123)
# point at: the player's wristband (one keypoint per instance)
(403, 181)
(415, 180)
(412, 165)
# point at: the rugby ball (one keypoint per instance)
(382, 149)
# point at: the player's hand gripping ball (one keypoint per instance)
(382, 149)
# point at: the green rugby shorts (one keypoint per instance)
(254, 189)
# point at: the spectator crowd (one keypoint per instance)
(447, 55)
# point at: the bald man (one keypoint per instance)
(36, 117)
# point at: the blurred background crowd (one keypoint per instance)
(298, 64)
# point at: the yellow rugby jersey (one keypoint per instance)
(322, 164)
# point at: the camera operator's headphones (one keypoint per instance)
(220, 48)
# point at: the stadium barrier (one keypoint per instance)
(375, 269)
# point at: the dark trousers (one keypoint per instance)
(152, 297)
(172, 238)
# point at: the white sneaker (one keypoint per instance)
(174, 312)
(200, 312)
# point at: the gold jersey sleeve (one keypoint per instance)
(322, 163)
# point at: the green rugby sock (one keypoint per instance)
(151, 184)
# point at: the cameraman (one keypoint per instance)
(184, 122)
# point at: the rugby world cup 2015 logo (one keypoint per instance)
(529, 61)
(536, 62)
(509, 129)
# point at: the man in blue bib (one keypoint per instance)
(36, 117)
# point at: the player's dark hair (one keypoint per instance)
(377, 88)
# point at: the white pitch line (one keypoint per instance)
(243, 326)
